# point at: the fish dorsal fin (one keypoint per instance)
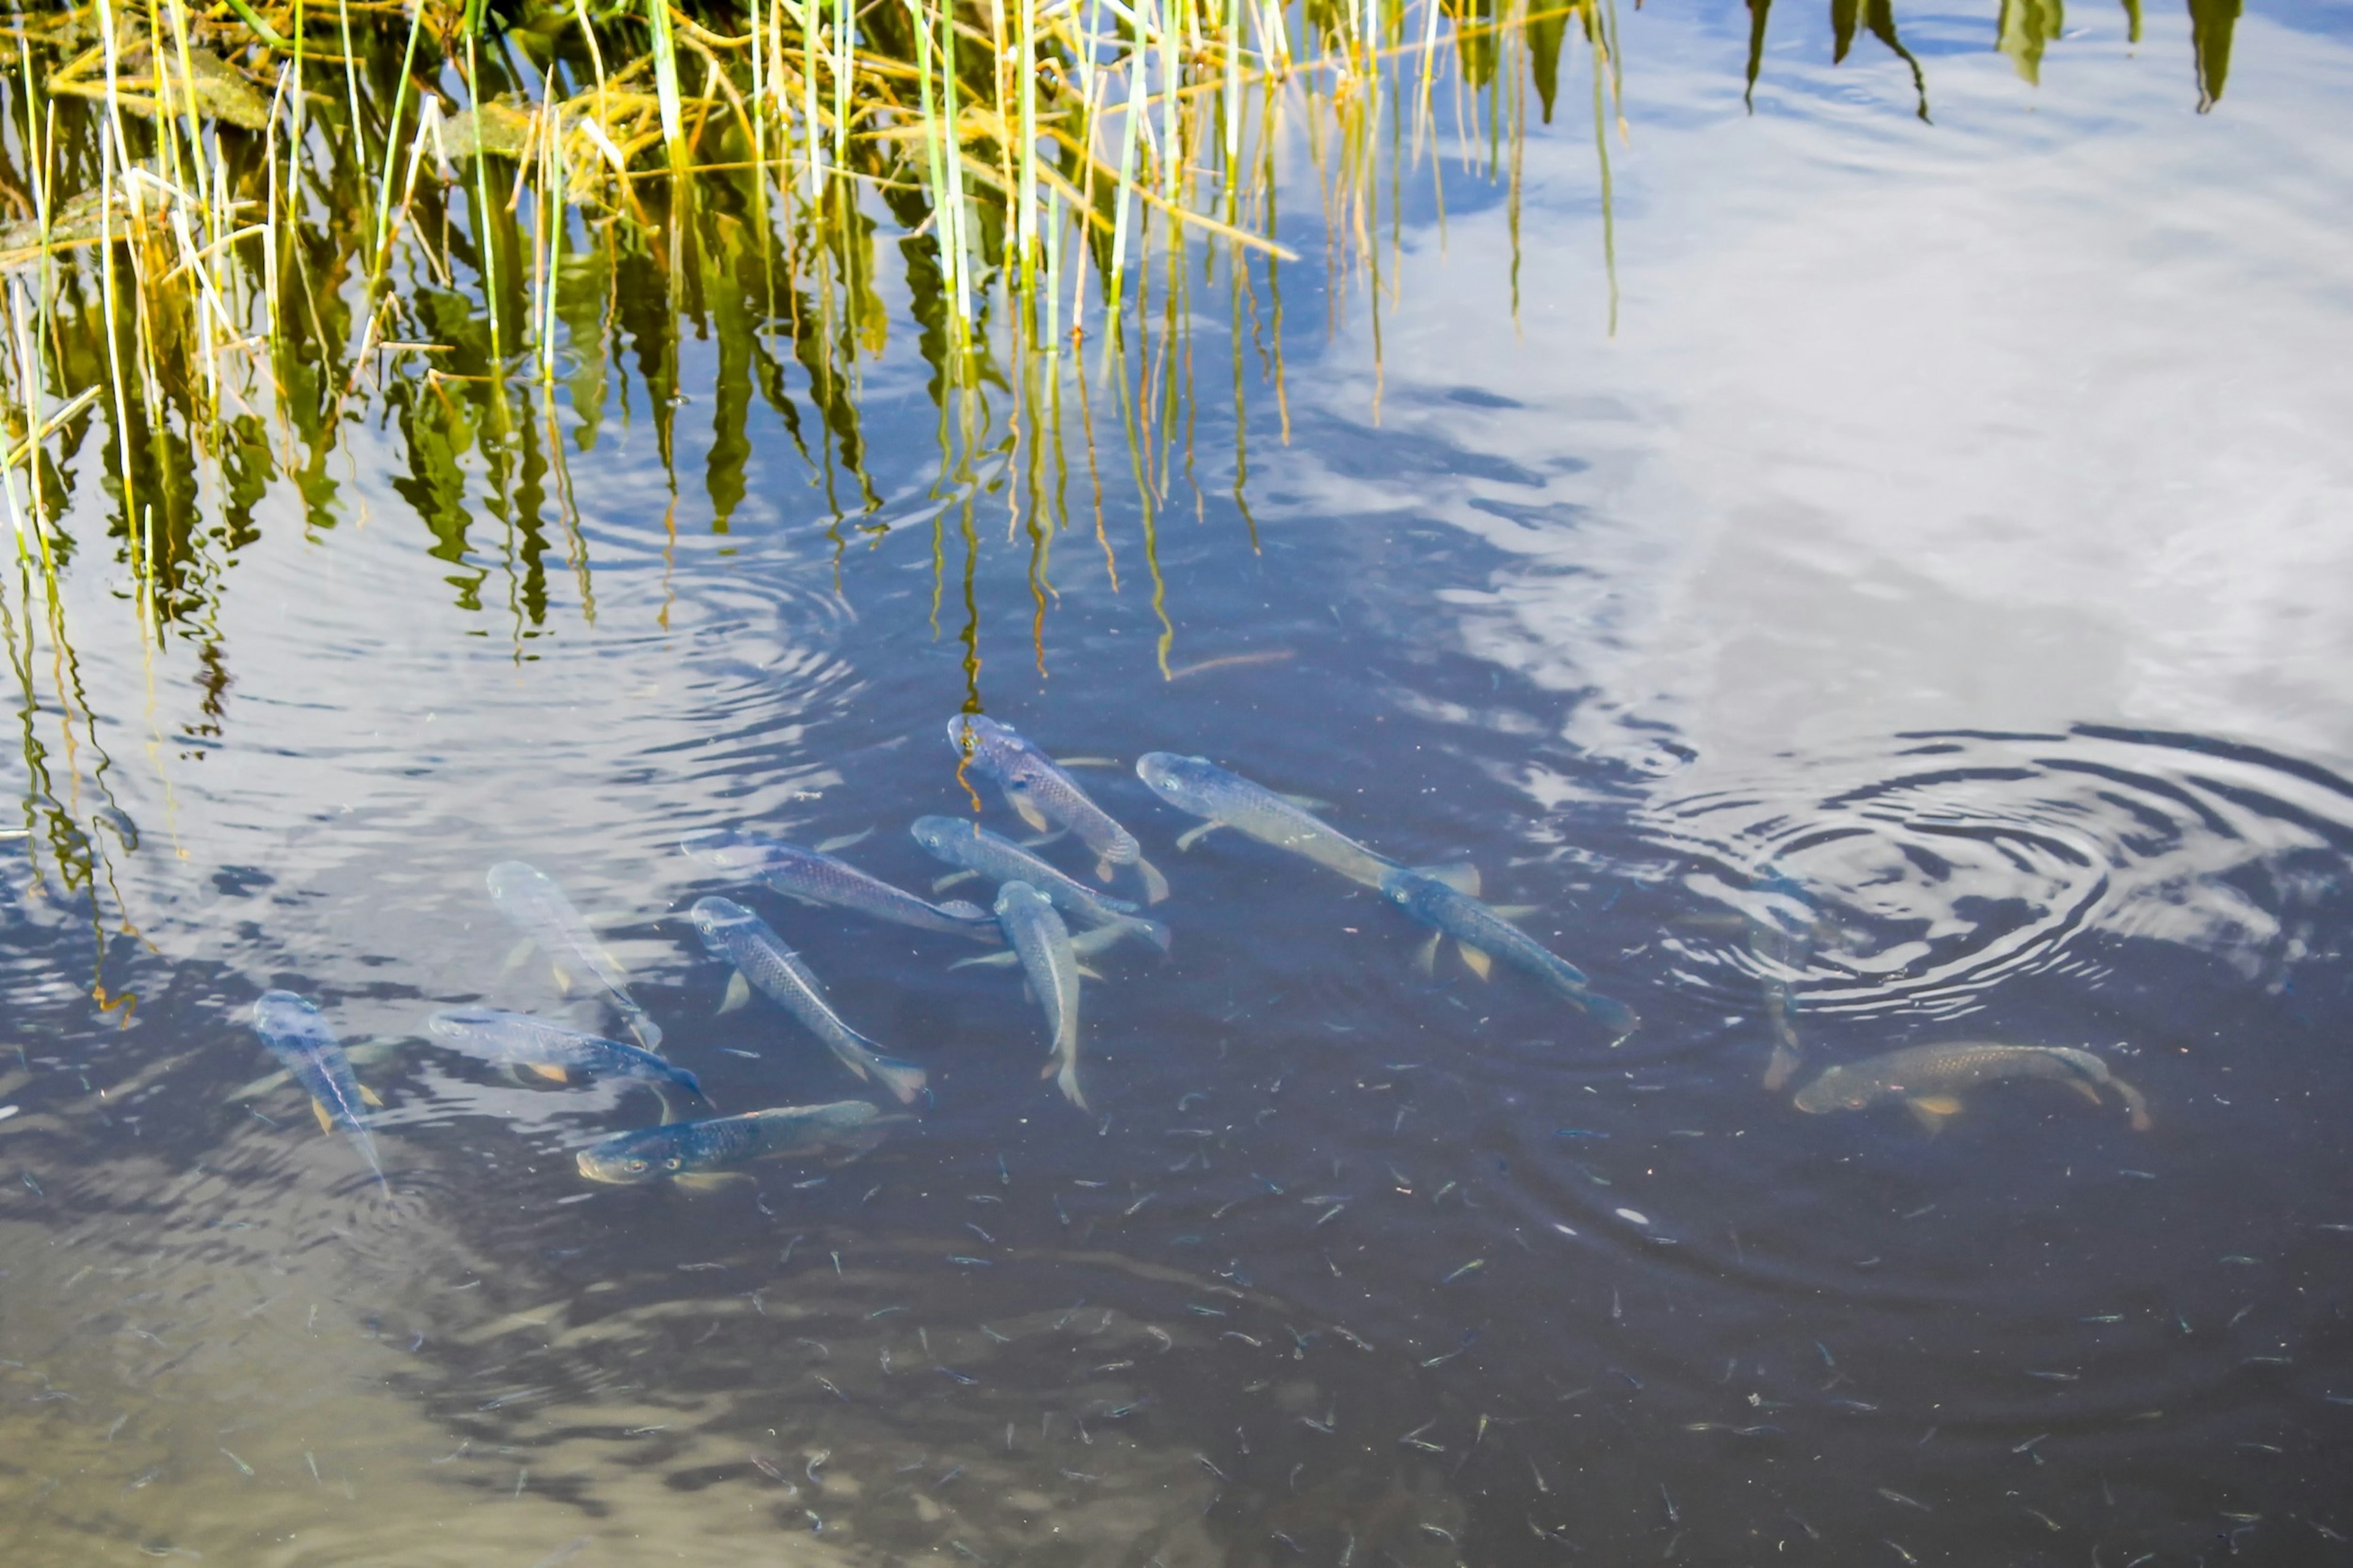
(739, 991)
(1481, 964)
(1192, 836)
(842, 841)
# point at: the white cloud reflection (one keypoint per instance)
(2030, 417)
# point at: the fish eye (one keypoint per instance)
(672, 1163)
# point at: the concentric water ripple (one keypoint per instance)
(1919, 879)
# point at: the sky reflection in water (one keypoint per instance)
(1939, 554)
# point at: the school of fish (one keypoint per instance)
(1047, 925)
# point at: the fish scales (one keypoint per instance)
(969, 847)
(1458, 915)
(733, 933)
(795, 872)
(1038, 934)
(294, 1032)
(1200, 787)
(718, 1143)
(520, 1040)
(1918, 1072)
(1043, 793)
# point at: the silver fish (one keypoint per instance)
(530, 899)
(299, 1037)
(1197, 785)
(1038, 935)
(972, 847)
(519, 1042)
(1929, 1079)
(1037, 787)
(818, 878)
(686, 1150)
(761, 959)
(1484, 933)
(1781, 950)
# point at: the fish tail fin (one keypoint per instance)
(1064, 1071)
(366, 1146)
(2135, 1102)
(1156, 886)
(1462, 876)
(904, 1079)
(1615, 1016)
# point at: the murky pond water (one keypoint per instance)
(1920, 622)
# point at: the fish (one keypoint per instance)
(818, 878)
(1484, 934)
(1200, 787)
(366, 1054)
(294, 1033)
(686, 1150)
(530, 899)
(760, 958)
(1781, 950)
(520, 1043)
(1036, 786)
(996, 858)
(1929, 1079)
(1038, 935)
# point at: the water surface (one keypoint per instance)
(1923, 608)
